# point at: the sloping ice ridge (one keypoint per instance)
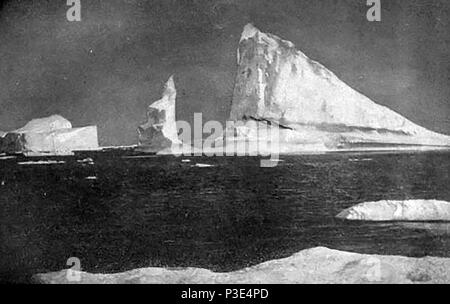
(312, 266)
(311, 108)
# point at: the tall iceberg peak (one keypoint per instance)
(278, 83)
(160, 131)
(249, 31)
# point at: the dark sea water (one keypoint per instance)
(161, 211)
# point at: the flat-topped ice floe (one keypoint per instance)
(313, 266)
(41, 162)
(202, 166)
(410, 210)
(52, 135)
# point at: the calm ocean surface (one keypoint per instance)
(123, 213)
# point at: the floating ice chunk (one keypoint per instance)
(410, 210)
(203, 166)
(360, 159)
(42, 162)
(89, 161)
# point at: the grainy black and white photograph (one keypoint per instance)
(227, 142)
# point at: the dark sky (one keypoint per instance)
(108, 68)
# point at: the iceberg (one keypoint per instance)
(64, 141)
(42, 162)
(410, 210)
(311, 108)
(53, 135)
(160, 131)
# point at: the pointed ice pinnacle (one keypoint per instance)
(276, 83)
(160, 132)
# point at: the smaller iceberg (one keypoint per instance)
(410, 210)
(52, 135)
(160, 131)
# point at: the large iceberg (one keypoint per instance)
(52, 135)
(311, 108)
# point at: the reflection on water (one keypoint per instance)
(224, 215)
(432, 228)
